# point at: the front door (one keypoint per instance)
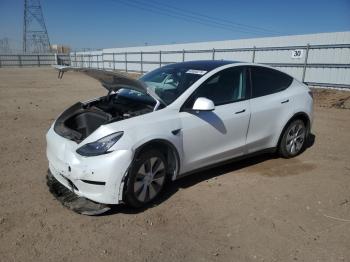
(213, 136)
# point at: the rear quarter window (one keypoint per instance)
(266, 81)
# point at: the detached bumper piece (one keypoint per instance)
(72, 201)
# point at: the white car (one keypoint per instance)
(123, 147)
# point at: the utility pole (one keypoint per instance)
(5, 46)
(35, 36)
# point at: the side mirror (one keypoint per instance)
(203, 104)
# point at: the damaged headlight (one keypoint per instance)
(100, 146)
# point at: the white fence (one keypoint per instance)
(322, 65)
(26, 60)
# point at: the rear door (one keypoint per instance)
(270, 106)
(213, 136)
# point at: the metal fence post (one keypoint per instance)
(253, 58)
(0, 61)
(213, 54)
(75, 59)
(38, 60)
(89, 56)
(141, 62)
(183, 55)
(126, 61)
(160, 58)
(305, 62)
(113, 61)
(103, 61)
(20, 61)
(98, 63)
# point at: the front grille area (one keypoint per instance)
(99, 183)
(62, 193)
(72, 201)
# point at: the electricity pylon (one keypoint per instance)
(35, 37)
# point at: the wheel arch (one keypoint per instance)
(166, 147)
(162, 144)
(300, 115)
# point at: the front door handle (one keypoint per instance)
(285, 101)
(242, 111)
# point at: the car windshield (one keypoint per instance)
(170, 82)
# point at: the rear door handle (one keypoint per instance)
(285, 101)
(242, 111)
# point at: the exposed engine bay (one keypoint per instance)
(82, 119)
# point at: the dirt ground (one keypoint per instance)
(261, 209)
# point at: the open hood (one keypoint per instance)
(112, 80)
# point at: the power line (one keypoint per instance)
(157, 11)
(196, 17)
(220, 19)
(180, 16)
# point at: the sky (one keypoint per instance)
(117, 23)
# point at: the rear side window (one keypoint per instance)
(267, 81)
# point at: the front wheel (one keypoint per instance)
(293, 139)
(146, 178)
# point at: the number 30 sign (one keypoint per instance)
(297, 53)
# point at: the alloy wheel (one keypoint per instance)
(295, 138)
(150, 179)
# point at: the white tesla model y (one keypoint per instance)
(182, 117)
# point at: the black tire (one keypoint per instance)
(294, 136)
(133, 197)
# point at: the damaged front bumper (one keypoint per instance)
(99, 178)
(72, 201)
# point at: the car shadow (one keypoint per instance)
(191, 180)
(200, 176)
(310, 141)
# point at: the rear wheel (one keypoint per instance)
(293, 139)
(146, 178)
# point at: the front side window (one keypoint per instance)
(267, 81)
(226, 86)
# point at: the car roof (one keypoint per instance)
(206, 65)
